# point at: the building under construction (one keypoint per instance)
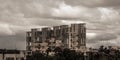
(65, 36)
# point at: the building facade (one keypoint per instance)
(6, 54)
(64, 36)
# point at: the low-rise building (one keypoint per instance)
(12, 54)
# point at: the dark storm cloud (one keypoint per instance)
(94, 3)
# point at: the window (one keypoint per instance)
(37, 38)
(30, 44)
(30, 34)
(70, 29)
(29, 39)
(74, 28)
(71, 35)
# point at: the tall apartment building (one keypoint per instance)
(64, 36)
(77, 36)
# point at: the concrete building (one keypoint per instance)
(64, 36)
(77, 37)
(12, 54)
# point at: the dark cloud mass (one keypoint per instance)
(102, 37)
(18, 16)
(94, 3)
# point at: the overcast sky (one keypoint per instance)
(18, 16)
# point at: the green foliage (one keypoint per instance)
(67, 54)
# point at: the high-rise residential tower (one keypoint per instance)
(64, 36)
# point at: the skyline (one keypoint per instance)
(18, 16)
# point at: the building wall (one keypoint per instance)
(14, 56)
(1, 56)
(77, 36)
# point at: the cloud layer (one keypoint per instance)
(18, 16)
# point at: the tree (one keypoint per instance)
(48, 50)
(37, 56)
(57, 50)
(101, 49)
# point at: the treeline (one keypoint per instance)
(65, 54)
(103, 53)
